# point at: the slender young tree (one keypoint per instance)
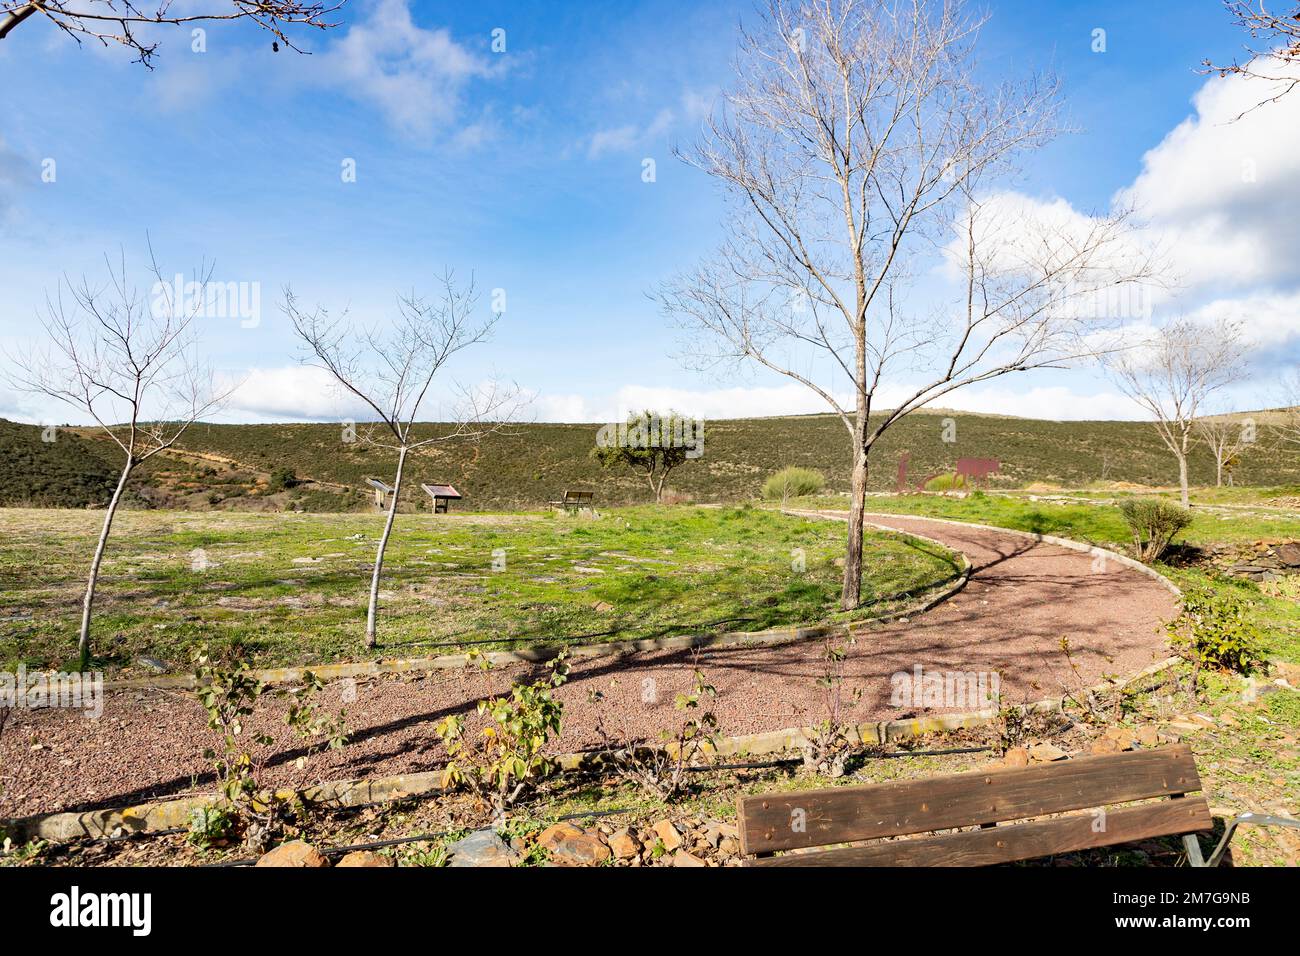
(1226, 439)
(860, 149)
(392, 372)
(129, 363)
(1285, 426)
(130, 23)
(1175, 373)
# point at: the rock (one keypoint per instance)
(572, 845)
(682, 858)
(729, 847)
(1106, 745)
(668, 835)
(602, 606)
(1016, 757)
(365, 858)
(1045, 753)
(152, 664)
(624, 845)
(1288, 554)
(482, 848)
(1148, 736)
(294, 854)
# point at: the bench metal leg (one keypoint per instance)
(1194, 857)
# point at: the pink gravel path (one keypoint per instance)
(1022, 599)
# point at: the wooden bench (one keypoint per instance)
(989, 800)
(574, 500)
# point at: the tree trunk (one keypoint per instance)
(83, 640)
(851, 596)
(1218, 477)
(1182, 480)
(379, 554)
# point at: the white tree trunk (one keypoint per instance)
(1182, 480)
(379, 554)
(83, 639)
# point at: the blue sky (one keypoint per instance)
(525, 167)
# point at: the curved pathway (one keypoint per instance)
(1022, 599)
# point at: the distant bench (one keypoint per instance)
(574, 500)
(857, 820)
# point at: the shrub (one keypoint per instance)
(950, 481)
(793, 482)
(283, 479)
(509, 756)
(1218, 629)
(1153, 524)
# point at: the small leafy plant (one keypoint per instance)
(508, 757)
(231, 695)
(1217, 630)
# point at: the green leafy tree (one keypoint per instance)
(651, 443)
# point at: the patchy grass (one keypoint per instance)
(291, 588)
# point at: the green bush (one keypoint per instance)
(282, 479)
(793, 482)
(1218, 629)
(950, 481)
(1153, 524)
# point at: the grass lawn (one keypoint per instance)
(291, 588)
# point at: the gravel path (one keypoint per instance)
(1022, 599)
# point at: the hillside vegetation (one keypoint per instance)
(230, 467)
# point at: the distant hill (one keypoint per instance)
(235, 466)
(67, 472)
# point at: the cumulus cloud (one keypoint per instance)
(414, 75)
(1267, 319)
(1222, 187)
(296, 393)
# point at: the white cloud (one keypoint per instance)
(621, 138)
(296, 393)
(612, 141)
(414, 75)
(1221, 189)
(1267, 319)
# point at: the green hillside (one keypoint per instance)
(67, 472)
(233, 466)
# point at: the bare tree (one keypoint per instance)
(130, 365)
(1286, 425)
(859, 148)
(391, 373)
(1275, 51)
(1226, 438)
(1175, 373)
(126, 22)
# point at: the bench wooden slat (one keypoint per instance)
(1017, 841)
(853, 814)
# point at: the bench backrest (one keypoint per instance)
(579, 495)
(771, 823)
